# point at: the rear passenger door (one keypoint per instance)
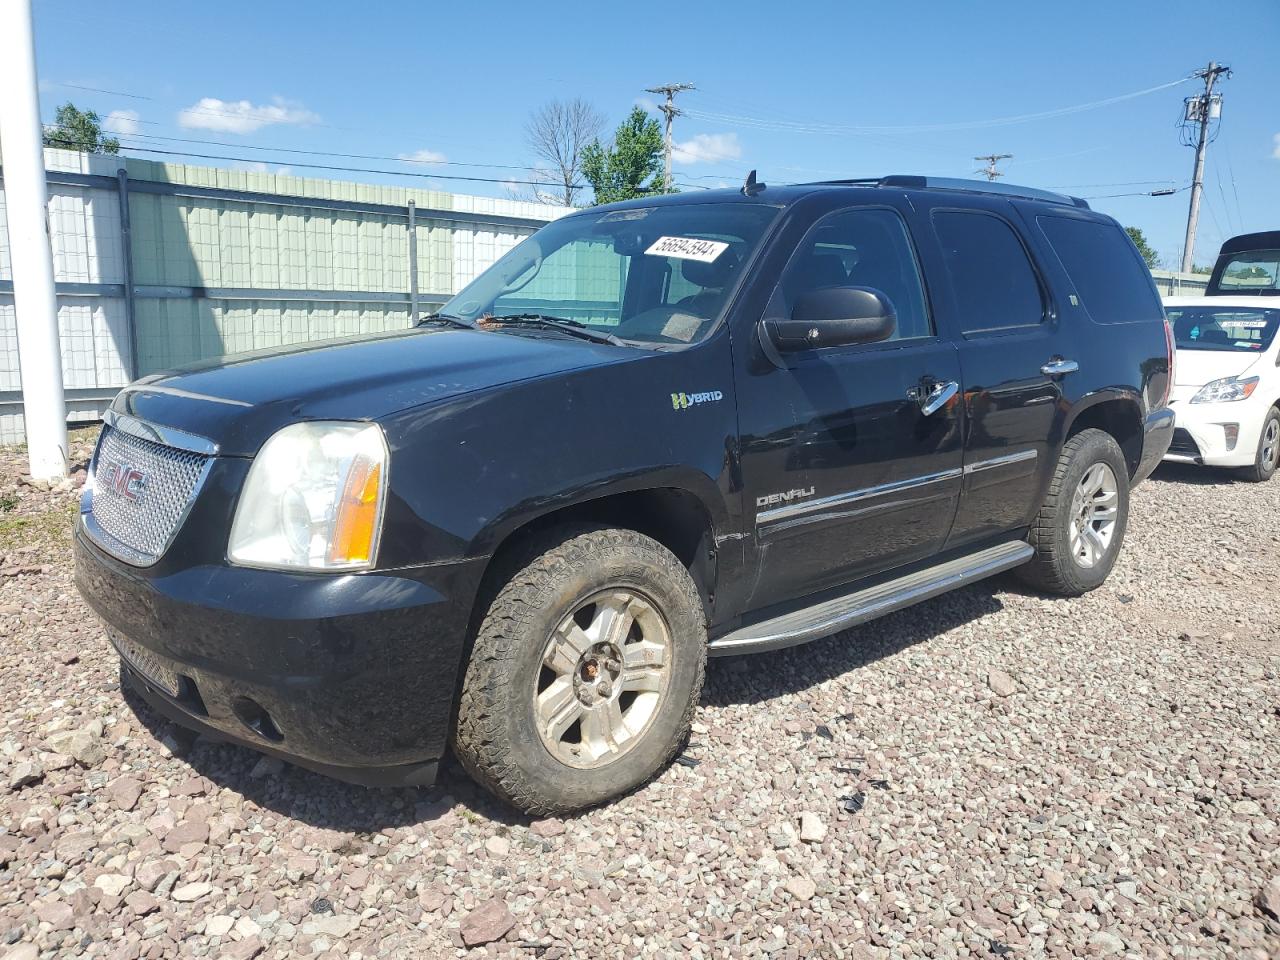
(1006, 326)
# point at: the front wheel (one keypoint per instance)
(1078, 532)
(584, 673)
(1268, 456)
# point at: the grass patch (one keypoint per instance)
(51, 527)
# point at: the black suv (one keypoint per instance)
(713, 423)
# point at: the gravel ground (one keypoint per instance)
(992, 773)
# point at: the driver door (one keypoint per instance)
(846, 474)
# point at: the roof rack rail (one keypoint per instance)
(980, 186)
(914, 182)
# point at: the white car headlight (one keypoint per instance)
(313, 499)
(1225, 390)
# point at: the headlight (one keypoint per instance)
(313, 499)
(1225, 390)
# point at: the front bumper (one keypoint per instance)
(1157, 433)
(1204, 432)
(355, 674)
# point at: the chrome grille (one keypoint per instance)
(141, 493)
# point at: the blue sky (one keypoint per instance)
(799, 91)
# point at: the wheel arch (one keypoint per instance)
(683, 514)
(1118, 413)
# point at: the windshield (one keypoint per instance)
(1254, 271)
(660, 275)
(1223, 328)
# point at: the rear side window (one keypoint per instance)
(1110, 279)
(995, 285)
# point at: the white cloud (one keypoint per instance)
(1276, 153)
(241, 116)
(121, 121)
(706, 148)
(422, 156)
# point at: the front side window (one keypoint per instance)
(1255, 271)
(859, 248)
(995, 285)
(1223, 328)
(655, 275)
(1111, 281)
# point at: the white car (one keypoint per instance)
(1226, 392)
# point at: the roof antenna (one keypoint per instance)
(750, 188)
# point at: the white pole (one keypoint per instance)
(27, 205)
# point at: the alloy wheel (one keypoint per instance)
(1271, 443)
(1094, 510)
(605, 669)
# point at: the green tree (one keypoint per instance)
(1140, 241)
(628, 167)
(76, 129)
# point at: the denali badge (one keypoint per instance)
(772, 499)
(127, 481)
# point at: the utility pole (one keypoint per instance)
(1200, 110)
(670, 111)
(991, 159)
(26, 197)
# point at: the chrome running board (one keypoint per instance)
(832, 616)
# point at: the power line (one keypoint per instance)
(326, 153)
(844, 129)
(338, 167)
(114, 93)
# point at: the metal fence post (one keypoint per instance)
(413, 266)
(126, 244)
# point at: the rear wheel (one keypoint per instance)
(585, 672)
(1268, 456)
(1078, 532)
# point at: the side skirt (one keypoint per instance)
(832, 616)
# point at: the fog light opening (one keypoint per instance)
(1231, 431)
(256, 718)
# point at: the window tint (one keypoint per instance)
(1110, 279)
(862, 248)
(994, 283)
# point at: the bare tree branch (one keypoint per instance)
(557, 133)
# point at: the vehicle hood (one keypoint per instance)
(240, 400)
(1195, 368)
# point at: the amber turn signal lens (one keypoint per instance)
(355, 527)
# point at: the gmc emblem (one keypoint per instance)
(128, 482)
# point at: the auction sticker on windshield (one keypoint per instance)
(687, 248)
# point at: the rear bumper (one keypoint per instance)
(355, 674)
(1157, 433)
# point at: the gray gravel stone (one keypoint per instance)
(1122, 801)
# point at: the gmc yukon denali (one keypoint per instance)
(672, 428)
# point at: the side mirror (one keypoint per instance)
(834, 317)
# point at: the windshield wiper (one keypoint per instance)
(574, 328)
(449, 319)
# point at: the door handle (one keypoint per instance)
(1058, 367)
(936, 398)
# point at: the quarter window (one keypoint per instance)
(994, 283)
(1110, 279)
(859, 248)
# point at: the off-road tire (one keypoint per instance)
(1262, 469)
(1053, 569)
(495, 737)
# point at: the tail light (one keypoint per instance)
(1172, 353)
